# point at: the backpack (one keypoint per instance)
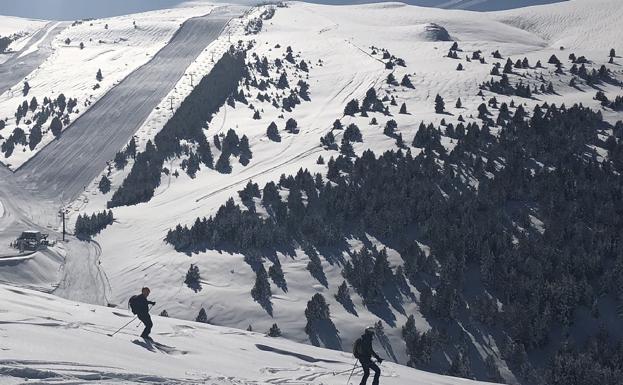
(132, 303)
(357, 348)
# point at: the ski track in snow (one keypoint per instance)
(133, 252)
(65, 166)
(30, 353)
(342, 37)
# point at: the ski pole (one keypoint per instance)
(351, 372)
(121, 328)
(132, 320)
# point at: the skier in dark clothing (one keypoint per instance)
(140, 307)
(364, 353)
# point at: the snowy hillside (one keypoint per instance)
(115, 46)
(453, 244)
(45, 339)
(482, 5)
(10, 25)
(15, 32)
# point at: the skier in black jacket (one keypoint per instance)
(140, 305)
(365, 354)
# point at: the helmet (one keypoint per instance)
(370, 330)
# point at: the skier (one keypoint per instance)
(363, 352)
(140, 306)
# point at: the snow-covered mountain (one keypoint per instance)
(310, 69)
(77, 9)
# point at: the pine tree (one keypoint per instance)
(403, 108)
(26, 89)
(120, 160)
(130, 149)
(317, 310)
(352, 107)
(292, 126)
(303, 66)
(33, 104)
(272, 132)
(245, 151)
(352, 133)
(164, 314)
(346, 148)
(328, 140)
(35, 136)
(205, 153)
(202, 316)
(390, 128)
(104, 185)
(406, 82)
(256, 115)
(459, 104)
(99, 77)
(274, 331)
(554, 60)
(440, 106)
(282, 83)
(193, 279)
(222, 164)
(525, 63)
(391, 80)
(56, 126)
(459, 67)
(613, 53)
(508, 67)
(261, 290)
(483, 112)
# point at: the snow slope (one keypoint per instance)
(116, 45)
(484, 5)
(575, 24)
(26, 28)
(10, 25)
(133, 252)
(44, 339)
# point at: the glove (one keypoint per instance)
(152, 303)
(380, 360)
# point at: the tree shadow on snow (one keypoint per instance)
(303, 357)
(325, 332)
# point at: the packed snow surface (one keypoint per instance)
(336, 41)
(45, 339)
(133, 252)
(116, 46)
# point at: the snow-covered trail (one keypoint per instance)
(48, 340)
(83, 278)
(30, 57)
(32, 197)
(68, 164)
